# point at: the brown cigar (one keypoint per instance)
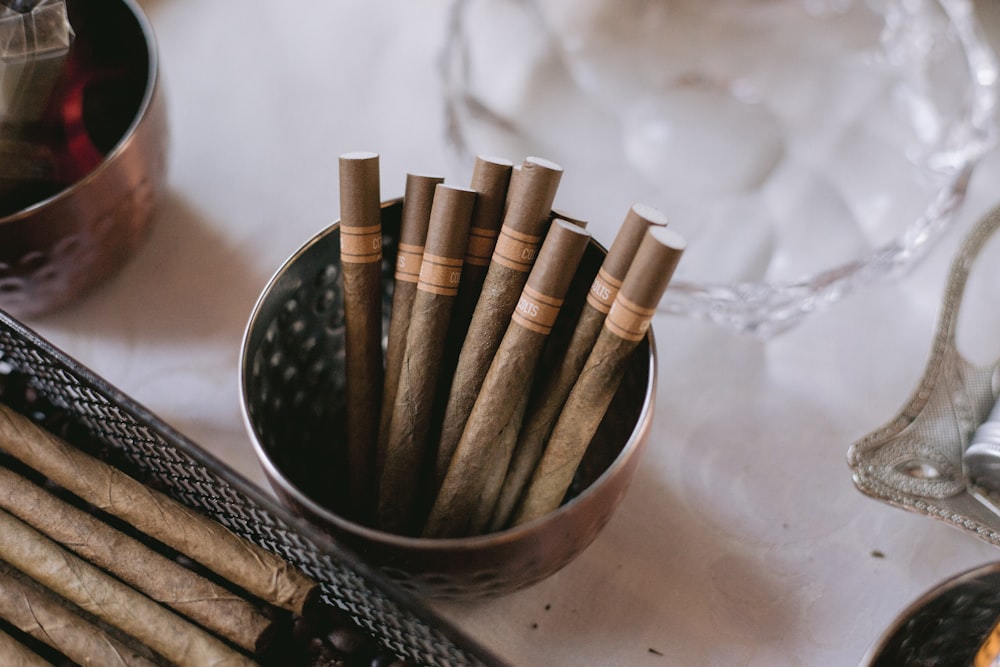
(361, 262)
(205, 541)
(38, 613)
(417, 201)
(490, 179)
(164, 580)
(108, 599)
(470, 488)
(555, 347)
(529, 200)
(625, 325)
(15, 654)
(440, 274)
(548, 399)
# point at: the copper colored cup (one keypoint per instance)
(292, 394)
(55, 249)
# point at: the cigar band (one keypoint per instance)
(536, 311)
(628, 320)
(603, 291)
(480, 246)
(516, 250)
(361, 245)
(440, 275)
(408, 260)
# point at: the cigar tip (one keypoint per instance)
(422, 175)
(493, 159)
(668, 238)
(455, 188)
(358, 155)
(571, 226)
(650, 214)
(542, 162)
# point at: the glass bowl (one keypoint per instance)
(804, 147)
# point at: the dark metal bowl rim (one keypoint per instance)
(152, 86)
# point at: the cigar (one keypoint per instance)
(252, 568)
(491, 181)
(507, 439)
(471, 486)
(625, 325)
(15, 654)
(547, 400)
(38, 613)
(440, 275)
(484, 518)
(162, 579)
(529, 202)
(110, 600)
(361, 262)
(412, 235)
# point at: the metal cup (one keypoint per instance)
(56, 248)
(292, 382)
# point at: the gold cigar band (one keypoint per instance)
(361, 245)
(516, 250)
(408, 260)
(628, 320)
(480, 246)
(603, 291)
(536, 311)
(440, 275)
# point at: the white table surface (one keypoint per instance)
(742, 540)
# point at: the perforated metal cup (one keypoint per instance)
(292, 382)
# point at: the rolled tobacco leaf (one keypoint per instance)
(548, 397)
(471, 486)
(62, 626)
(15, 654)
(110, 600)
(252, 568)
(526, 220)
(361, 263)
(490, 179)
(440, 275)
(417, 201)
(625, 325)
(160, 578)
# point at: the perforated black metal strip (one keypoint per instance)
(197, 479)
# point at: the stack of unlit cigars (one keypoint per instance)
(100, 569)
(470, 422)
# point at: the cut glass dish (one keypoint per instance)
(805, 148)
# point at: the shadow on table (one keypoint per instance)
(184, 284)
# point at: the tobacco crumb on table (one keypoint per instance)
(877, 554)
(654, 651)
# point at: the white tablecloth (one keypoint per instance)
(742, 540)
